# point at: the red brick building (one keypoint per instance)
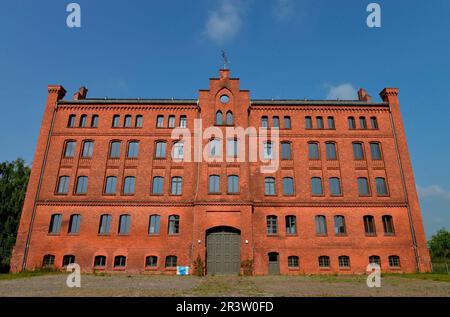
(108, 189)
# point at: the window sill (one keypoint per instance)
(385, 195)
(233, 194)
(171, 268)
(396, 268)
(103, 234)
(123, 194)
(173, 234)
(321, 235)
(80, 194)
(272, 235)
(99, 268)
(340, 234)
(61, 194)
(111, 195)
(73, 234)
(153, 194)
(325, 268)
(123, 234)
(119, 268)
(370, 235)
(294, 268)
(214, 193)
(151, 268)
(344, 268)
(291, 235)
(389, 234)
(53, 234)
(154, 234)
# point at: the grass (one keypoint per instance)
(422, 276)
(28, 274)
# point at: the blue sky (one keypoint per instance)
(279, 48)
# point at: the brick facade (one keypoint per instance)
(198, 209)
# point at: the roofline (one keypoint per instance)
(129, 101)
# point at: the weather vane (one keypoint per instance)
(225, 60)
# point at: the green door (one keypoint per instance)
(274, 264)
(223, 251)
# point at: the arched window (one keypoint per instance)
(319, 123)
(83, 121)
(394, 261)
(233, 184)
(114, 151)
(55, 224)
(375, 259)
(74, 224)
(94, 121)
(287, 122)
(116, 121)
(68, 259)
(157, 186)
(316, 186)
(215, 148)
(276, 122)
(178, 151)
(229, 119)
(286, 151)
(99, 261)
(105, 224)
(138, 123)
(324, 261)
(308, 122)
(293, 261)
(321, 225)
(183, 121)
(362, 123)
(151, 261)
(363, 186)
(69, 150)
(374, 123)
(160, 150)
(339, 225)
(214, 184)
(82, 183)
(88, 149)
(269, 186)
(133, 149)
(171, 261)
(127, 121)
(120, 261)
(291, 224)
(174, 224)
(124, 224)
(388, 224)
(358, 152)
(160, 121)
(313, 151)
(330, 148)
(219, 118)
(375, 151)
(272, 224)
(268, 151)
(63, 185)
(128, 185)
(331, 124)
(351, 123)
(381, 186)
(48, 260)
(110, 186)
(288, 186)
(335, 186)
(176, 185)
(154, 224)
(344, 261)
(71, 122)
(369, 225)
(264, 122)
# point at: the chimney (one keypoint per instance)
(80, 94)
(363, 96)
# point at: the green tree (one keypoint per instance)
(13, 185)
(439, 244)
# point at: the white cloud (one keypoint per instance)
(224, 23)
(343, 92)
(433, 191)
(284, 9)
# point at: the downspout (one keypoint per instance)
(405, 192)
(41, 176)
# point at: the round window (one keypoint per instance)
(224, 99)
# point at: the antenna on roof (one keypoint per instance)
(225, 60)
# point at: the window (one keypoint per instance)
(339, 225)
(369, 225)
(176, 185)
(114, 151)
(128, 185)
(171, 123)
(171, 261)
(232, 148)
(233, 184)
(160, 121)
(55, 224)
(110, 187)
(268, 153)
(293, 261)
(321, 225)
(319, 123)
(344, 261)
(154, 224)
(287, 122)
(183, 121)
(288, 186)
(157, 187)
(363, 186)
(324, 261)
(215, 148)
(388, 225)
(83, 121)
(264, 122)
(160, 151)
(375, 259)
(335, 186)
(286, 151)
(178, 151)
(151, 261)
(105, 224)
(381, 186)
(68, 259)
(219, 118)
(373, 123)
(394, 261)
(100, 260)
(358, 153)
(272, 224)
(63, 185)
(82, 183)
(330, 148)
(291, 225)
(313, 151)
(74, 224)
(94, 121)
(127, 121)
(276, 122)
(71, 122)
(224, 99)
(174, 224)
(351, 123)
(124, 224)
(316, 186)
(362, 123)
(48, 260)
(229, 119)
(116, 121)
(138, 123)
(331, 124)
(88, 148)
(69, 150)
(308, 123)
(133, 150)
(120, 261)
(269, 186)
(375, 151)
(214, 184)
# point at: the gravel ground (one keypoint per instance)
(141, 285)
